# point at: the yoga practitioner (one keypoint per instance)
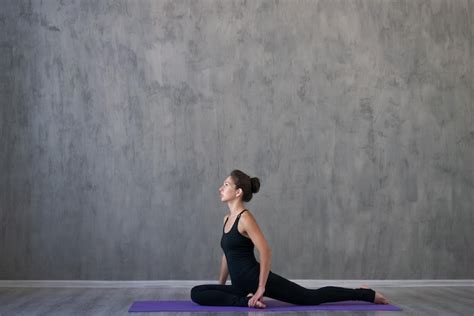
(251, 280)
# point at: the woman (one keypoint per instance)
(240, 234)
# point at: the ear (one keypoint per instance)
(239, 192)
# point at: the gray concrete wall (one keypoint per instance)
(120, 120)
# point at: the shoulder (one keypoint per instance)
(251, 228)
(247, 218)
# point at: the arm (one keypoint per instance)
(254, 232)
(224, 271)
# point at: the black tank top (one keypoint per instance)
(238, 251)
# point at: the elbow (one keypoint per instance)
(269, 257)
(268, 253)
(265, 253)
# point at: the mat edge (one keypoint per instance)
(326, 307)
(357, 307)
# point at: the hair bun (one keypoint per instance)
(255, 184)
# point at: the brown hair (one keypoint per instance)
(248, 185)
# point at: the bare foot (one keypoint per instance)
(259, 304)
(379, 298)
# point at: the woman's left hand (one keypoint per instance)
(258, 296)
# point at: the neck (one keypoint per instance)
(235, 207)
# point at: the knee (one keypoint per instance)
(195, 294)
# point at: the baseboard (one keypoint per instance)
(191, 283)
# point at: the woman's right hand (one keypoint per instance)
(257, 304)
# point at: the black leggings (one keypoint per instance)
(277, 288)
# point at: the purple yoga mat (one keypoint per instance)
(272, 306)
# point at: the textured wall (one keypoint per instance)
(120, 120)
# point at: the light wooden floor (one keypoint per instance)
(109, 301)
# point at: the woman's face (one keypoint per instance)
(228, 190)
